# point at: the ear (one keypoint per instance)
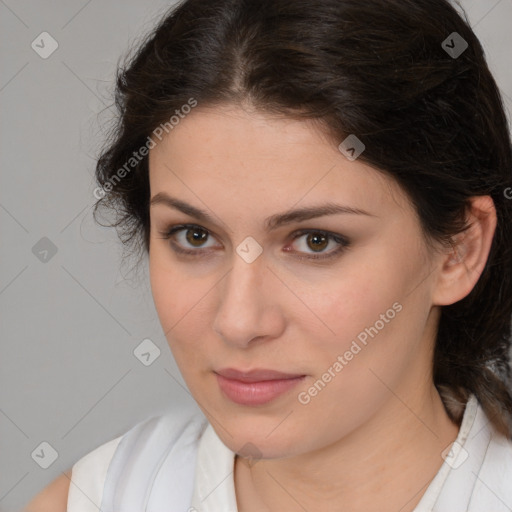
(461, 267)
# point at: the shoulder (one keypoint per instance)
(56, 496)
(126, 468)
(493, 489)
(482, 471)
(88, 477)
(52, 498)
(84, 486)
(155, 460)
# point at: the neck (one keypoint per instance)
(385, 465)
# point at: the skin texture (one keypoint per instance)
(372, 438)
(52, 498)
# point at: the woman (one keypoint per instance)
(321, 187)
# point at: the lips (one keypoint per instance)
(255, 387)
(256, 375)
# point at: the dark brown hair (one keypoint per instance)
(432, 120)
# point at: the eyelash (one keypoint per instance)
(342, 241)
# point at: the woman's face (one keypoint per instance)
(354, 326)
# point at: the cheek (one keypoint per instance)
(346, 367)
(349, 300)
(163, 288)
(176, 299)
(366, 311)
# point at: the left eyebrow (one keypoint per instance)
(272, 222)
(311, 212)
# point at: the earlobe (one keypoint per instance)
(462, 266)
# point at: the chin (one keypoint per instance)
(257, 436)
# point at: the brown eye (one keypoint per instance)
(196, 236)
(317, 241)
(314, 244)
(188, 239)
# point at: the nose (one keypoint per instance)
(249, 308)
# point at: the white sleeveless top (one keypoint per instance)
(177, 463)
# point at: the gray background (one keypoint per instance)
(70, 321)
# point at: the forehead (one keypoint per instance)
(255, 162)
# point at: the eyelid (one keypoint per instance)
(168, 234)
(342, 241)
